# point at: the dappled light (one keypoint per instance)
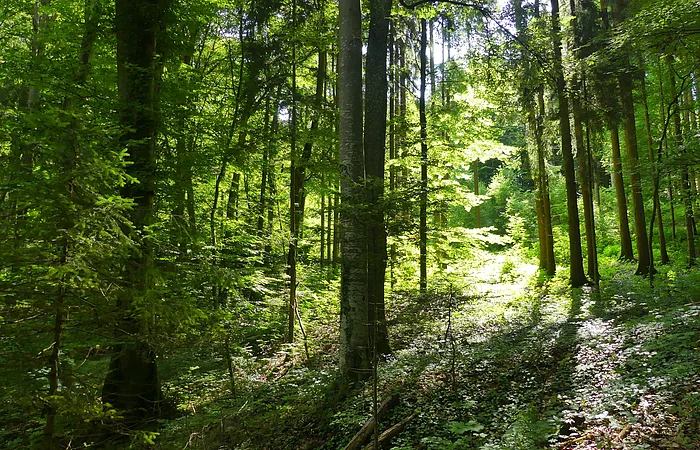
(297, 225)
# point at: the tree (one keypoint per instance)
(576, 275)
(355, 360)
(374, 151)
(583, 19)
(131, 384)
(612, 117)
(423, 226)
(535, 112)
(627, 102)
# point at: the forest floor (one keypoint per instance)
(508, 360)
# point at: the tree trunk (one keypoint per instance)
(475, 180)
(628, 118)
(355, 361)
(655, 175)
(626, 252)
(322, 230)
(668, 171)
(585, 184)
(374, 144)
(131, 384)
(685, 179)
(296, 185)
(423, 227)
(581, 153)
(635, 176)
(93, 14)
(543, 181)
(577, 276)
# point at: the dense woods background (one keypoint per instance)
(243, 224)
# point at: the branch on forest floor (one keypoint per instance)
(367, 429)
(391, 433)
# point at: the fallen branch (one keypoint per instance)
(391, 433)
(367, 429)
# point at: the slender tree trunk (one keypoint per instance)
(577, 276)
(543, 180)
(336, 228)
(233, 196)
(92, 13)
(635, 176)
(423, 227)
(296, 181)
(322, 230)
(376, 88)
(329, 232)
(655, 177)
(584, 183)
(626, 252)
(262, 203)
(475, 180)
(628, 119)
(590, 183)
(393, 89)
(664, 118)
(685, 179)
(582, 155)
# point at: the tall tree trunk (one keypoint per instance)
(585, 184)
(262, 203)
(626, 252)
(577, 276)
(543, 181)
(296, 183)
(581, 153)
(355, 361)
(664, 117)
(423, 227)
(393, 104)
(92, 13)
(627, 102)
(131, 384)
(655, 175)
(640, 230)
(589, 178)
(685, 179)
(375, 148)
(322, 229)
(475, 180)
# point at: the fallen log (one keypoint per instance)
(391, 433)
(367, 429)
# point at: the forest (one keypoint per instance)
(310, 224)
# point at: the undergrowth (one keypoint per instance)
(495, 358)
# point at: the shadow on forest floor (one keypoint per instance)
(512, 362)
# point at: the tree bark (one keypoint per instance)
(655, 175)
(577, 276)
(626, 252)
(355, 361)
(376, 88)
(131, 384)
(640, 230)
(628, 119)
(423, 227)
(582, 154)
(685, 179)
